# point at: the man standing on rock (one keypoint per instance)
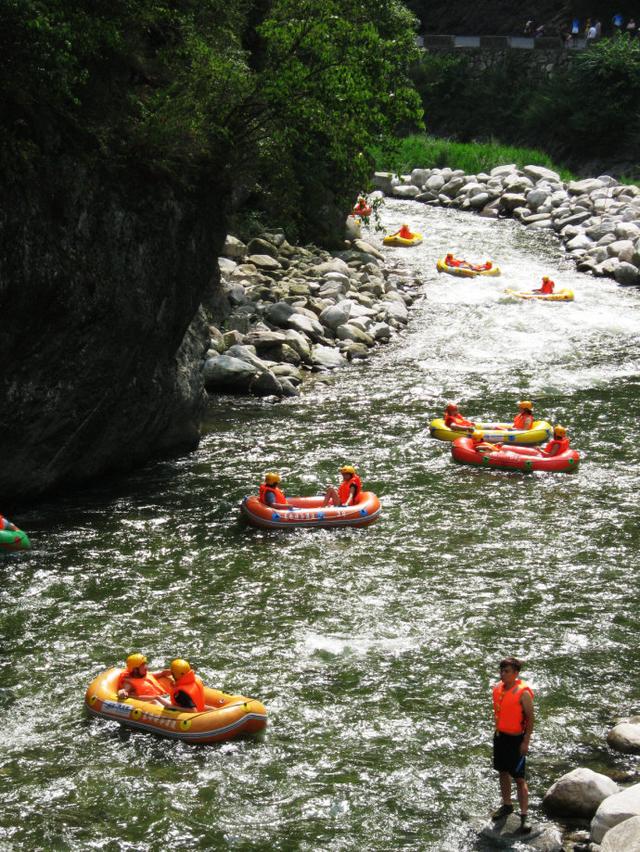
(513, 710)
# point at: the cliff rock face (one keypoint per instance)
(101, 277)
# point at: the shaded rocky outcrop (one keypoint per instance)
(596, 219)
(101, 277)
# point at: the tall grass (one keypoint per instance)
(423, 151)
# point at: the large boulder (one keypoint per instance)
(579, 793)
(625, 736)
(624, 837)
(536, 173)
(405, 191)
(279, 313)
(228, 373)
(627, 274)
(336, 315)
(615, 809)
(586, 186)
(326, 357)
(333, 265)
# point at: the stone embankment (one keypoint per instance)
(597, 219)
(292, 310)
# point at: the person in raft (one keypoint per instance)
(5, 524)
(450, 260)
(482, 446)
(524, 417)
(270, 494)
(349, 490)
(513, 712)
(559, 443)
(136, 681)
(187, 690)
(405, 232)
(362, 209)
(454, 420)
(547, 286)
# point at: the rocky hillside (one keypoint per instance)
(503, 17)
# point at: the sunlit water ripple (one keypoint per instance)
(373, 649)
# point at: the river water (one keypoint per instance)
(374, 650)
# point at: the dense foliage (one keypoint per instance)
(281, 96)
(588, 111)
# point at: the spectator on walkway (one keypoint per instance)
(631, 28)
(598, 28)
(592, 34)
(539, 31)
(587, 27)
(528, 28)
(617, 22)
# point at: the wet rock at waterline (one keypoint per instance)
(625, 736)
(505, 834)
(582, 212)
(615, 809)
(301, 309)
(579, 793)
(624, 836)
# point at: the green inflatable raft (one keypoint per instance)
(14, 540)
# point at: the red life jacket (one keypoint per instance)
(191, 685)
(557, 446)
(344, 489)
(507, 707)
(266, 489)
(405, 233)
(453, 262)
(523, 420)
(140, 686)
(457, 420)
(547, 287)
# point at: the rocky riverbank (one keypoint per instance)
(291, 310)
(596, 219)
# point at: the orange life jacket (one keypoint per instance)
(362, 209)
(191, 685)
(523, 420)
(457, 420)
(547, 287)
(453, 262)
(405, 233)
(266, 489)
(557, 446)
(507, 707)
(344, 489)
(140, 686)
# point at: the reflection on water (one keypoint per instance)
(373, 649)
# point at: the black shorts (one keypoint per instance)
(506, 754)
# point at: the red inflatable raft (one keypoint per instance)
(525, 459)
(309, 512)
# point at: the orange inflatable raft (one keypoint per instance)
(226, 716)
(309, 512)
(525, 459)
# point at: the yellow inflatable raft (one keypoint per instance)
(495, 432)
(397, 240)
(466, 271)
(559, 296)
(226, 716)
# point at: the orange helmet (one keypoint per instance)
(526, 404)
(559, 431)
(451, 407)
(545, 277)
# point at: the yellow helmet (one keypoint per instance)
(347, 468)
(272, 478)
(135, 660)
(545, 277)
(525, 403)
(179, 667)
(559, 431)
(477, 435)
